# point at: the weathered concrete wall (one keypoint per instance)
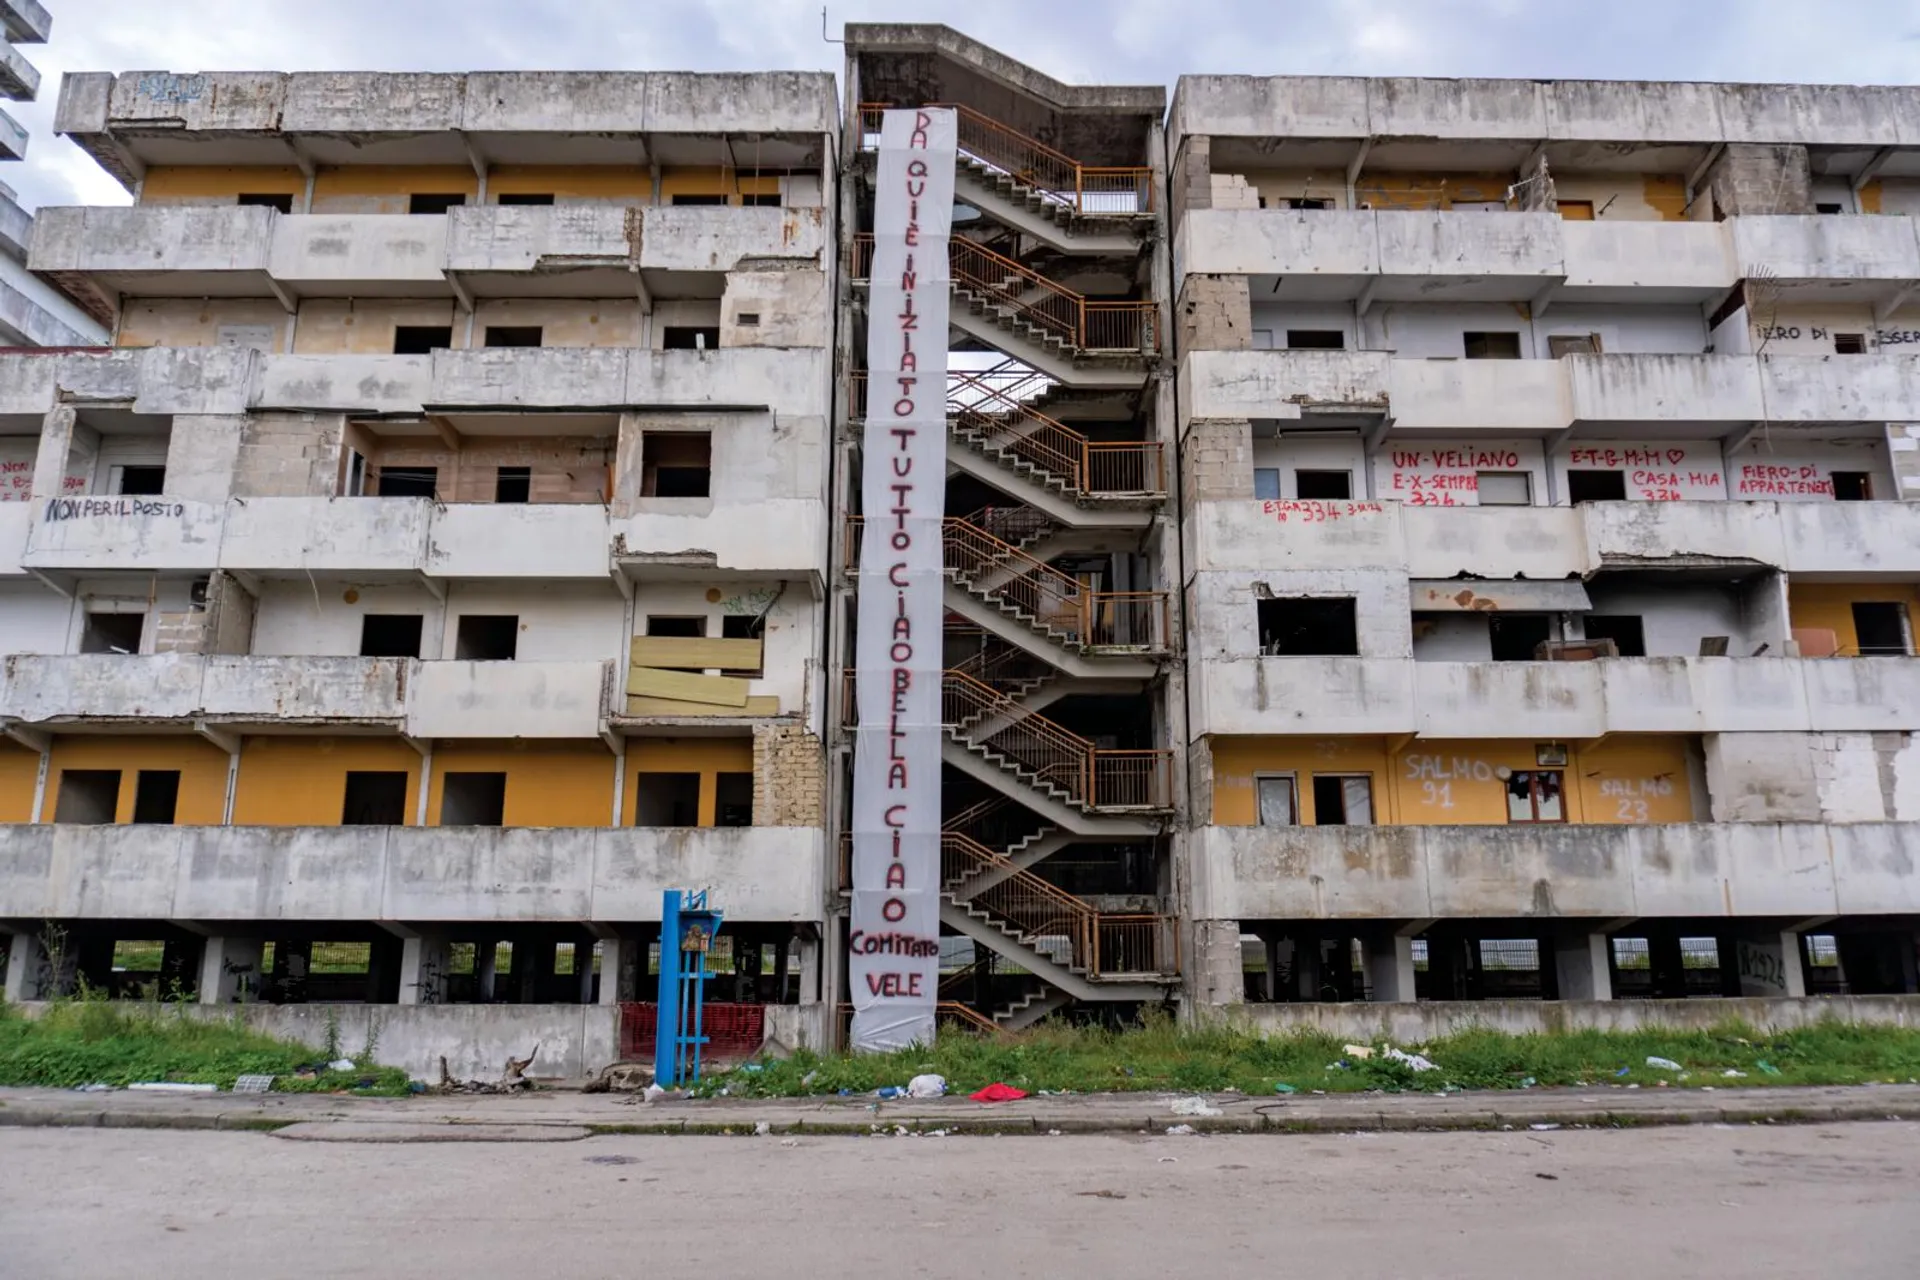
(1212, 314)
(789, 777)
(1749, 178)
(452, 874)
(1820, 777)
(1723, 869)
(1428, 1020)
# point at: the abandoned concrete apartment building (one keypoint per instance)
(1405, 540)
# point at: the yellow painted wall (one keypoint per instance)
(549, 784)
(566, 322)
(1627, 197)
(336, 326)
(1627, 778)
(196, 322)
(220, 184)
(19, 768)
(1828, 606)
(728, 182)
(584, 182)
(385, 188)
(301, 782)
(202, 766)
(704, 756)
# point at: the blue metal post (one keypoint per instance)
(666, 1026)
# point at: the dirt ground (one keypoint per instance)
(1666, 1204)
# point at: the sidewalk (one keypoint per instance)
(430, 1118)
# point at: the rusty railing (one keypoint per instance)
(1081, 324)
(1001, 417)
(1089, 190)
(1133, 620)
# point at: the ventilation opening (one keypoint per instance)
(1850, 344)
(420, 339)
(743, 627)
(676, 464)
(1297, 627)
(408, 482)
(666, 800)
(112, 632)
(375, 800)
(88, 795)
(487, 637)
(156, 794)
(1573, 344)
(473, 799)
(1323, 484)
(527, 198)
(513, 335)
(390, 635)
(1625, 630)
(1503, 488)
(139, 481)
(266, 200)
(1596, 486)
(513, 484)
(1517, 637)
(434, 203)
(733, 800)
(689, 337)
(1342, 801)
(1881, 628)
(1316, 340)
(1852, 486)
(1491, 346)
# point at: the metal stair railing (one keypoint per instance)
(1087, 190)
(1078, 323)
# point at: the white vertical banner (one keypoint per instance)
(894, 924)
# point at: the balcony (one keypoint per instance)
(1478, 395)
(431, 699)
(1280, 384)
(1834, 539)
(453, 875)
(672, 539)
(1822, 258)
(591, 251)
(791, 381)
(1404, 255)
(25, 21)
(1555, 871)
(531, 699)
(359, 255)
(1554, 701)
(218, 251)
(56, 689)
(89, 534)
(1647, 262)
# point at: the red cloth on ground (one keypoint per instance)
(997, 1092)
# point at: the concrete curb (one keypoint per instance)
(1411, 1114)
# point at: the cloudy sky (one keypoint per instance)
(1085, 41)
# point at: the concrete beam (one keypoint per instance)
(1871, 169)
(224, 739)
(1883, 311)
(1354, 166)
(38, 740)
(288, 301)
(1699, 171)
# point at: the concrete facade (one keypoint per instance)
(1453, 546)
(431, 573)
(1544, 456)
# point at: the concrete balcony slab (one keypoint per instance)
(1823, 258)
(1281, 384)
(1647, 262)
(454, 699)
(234, 689)
(398, 874)
(96, 534)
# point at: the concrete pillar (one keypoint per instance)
(1666, 966)
(292, 966)
(230, 970)
(57, 431)
(179, 965)
(583, 971)
(1582, 962)
(423, 970)
(383, 969)
(780, 962)
(613, 969)
(1390, 969)
(486, 958)
(24, 959)
(1306, 966)
(1217, 976)
(810, 970)
(1764, 963)
(1271, 943)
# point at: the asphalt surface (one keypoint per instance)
(1746, 1201)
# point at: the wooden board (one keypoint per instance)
(697, 652)
(685, 686)
(756, 706)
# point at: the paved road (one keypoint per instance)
(1663, 1204)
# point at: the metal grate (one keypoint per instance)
(1509, 953)
(732, 1030)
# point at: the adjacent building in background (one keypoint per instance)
(32, 312)
(1406, 541)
